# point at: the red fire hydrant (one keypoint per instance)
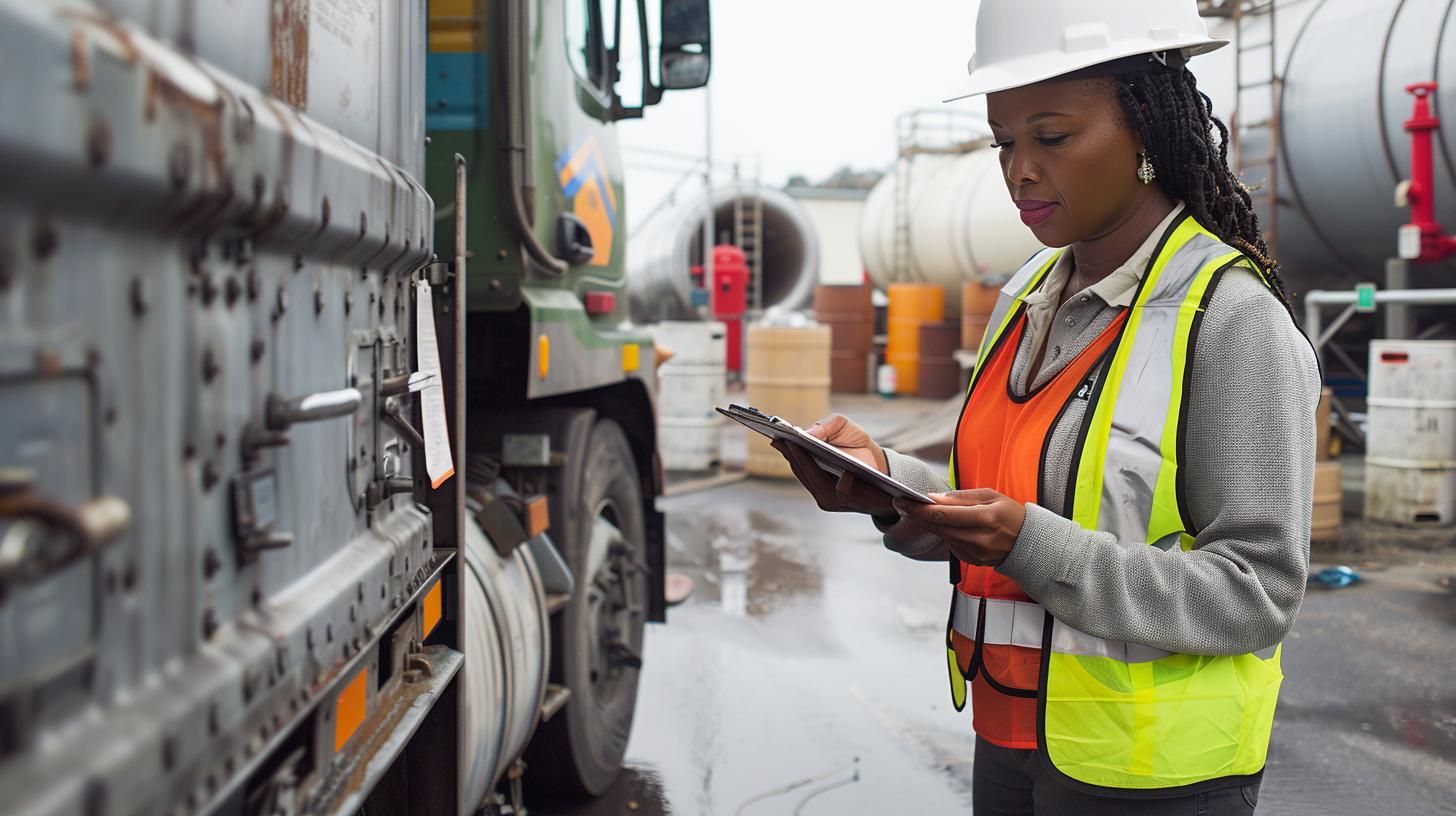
(729, 298)
(1422, 240)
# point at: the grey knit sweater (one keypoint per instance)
(1250, 479)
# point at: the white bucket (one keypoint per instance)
(698, 343)
(1410, 461)
(690, 385)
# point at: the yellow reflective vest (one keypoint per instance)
(1127, 716)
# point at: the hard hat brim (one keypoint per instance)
(1036, 68)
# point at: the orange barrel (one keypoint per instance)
(1322, 424)
(1328, 502)
(788, 376)
(911, 306)
(849, 313)
(939, 373)
(977, 301)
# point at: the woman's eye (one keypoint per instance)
(1051, 141)
(1001, 145)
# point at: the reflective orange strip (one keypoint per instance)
(430, 610)
(350, 708)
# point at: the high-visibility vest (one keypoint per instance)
(1112, 714)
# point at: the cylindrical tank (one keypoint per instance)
(1343, 146)
(849, 312)
(666, 247)
(507, 652)
(912, 305)
(691, 385)
(938, 375)
(1410, 450)
(962, 225)
(788, 376)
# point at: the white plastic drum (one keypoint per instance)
(690, 385)
(507, 652)
(1410, 462)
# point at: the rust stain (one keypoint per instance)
(80, 61)
(289, 25)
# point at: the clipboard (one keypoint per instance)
(829, 458)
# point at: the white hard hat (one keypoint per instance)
(1022, 42)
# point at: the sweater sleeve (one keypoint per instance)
(902, 536)
(1250, 482)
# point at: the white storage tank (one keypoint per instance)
(963, 225)
(1410, 461)
(690, 385)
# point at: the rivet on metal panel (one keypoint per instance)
(95, 798)
(43, 240)
(179, 165)
(250, 685)
(325, 211)
(318, 301)
(308, 637)
(214, 721)
(220, 440)
(209, 289)
(348, 302)
(280, 304)
(110, 580)
(495, 284)
(254, 285)
(209, 624)
(260, 190)
(98, 143)
(129, 577)
(363, 223)
(211, 563)
(256, 350)
(141, 300)
(228, 764)
(7, 264)
(210, 366)
(356, 644)
(93, 358)
(232, 290)
(110, 415)
(502, 254)
(209, 475)
(297, 263)
(188, 450)
(169, 752)
(353, 613)
(329, 633)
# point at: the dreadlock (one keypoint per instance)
(1176, 123)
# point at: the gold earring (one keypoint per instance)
(1145, 172)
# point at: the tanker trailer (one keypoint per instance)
(327, 475)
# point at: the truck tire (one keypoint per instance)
(597, 638)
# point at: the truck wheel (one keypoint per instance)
(598, 636)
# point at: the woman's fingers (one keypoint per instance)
(948, 516)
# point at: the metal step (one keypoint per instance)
(556, 697)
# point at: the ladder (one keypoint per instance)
(927, 132)
(748, 236)
(1258, 86)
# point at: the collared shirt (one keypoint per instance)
(1064, 332)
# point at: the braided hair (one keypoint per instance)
(1176, 123)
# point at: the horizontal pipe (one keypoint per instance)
(1407, 296)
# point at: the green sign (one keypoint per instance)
(1364, 297)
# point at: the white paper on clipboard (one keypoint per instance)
(438, 461)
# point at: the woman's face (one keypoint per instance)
(1068, 157)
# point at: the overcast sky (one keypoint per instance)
(805, 87)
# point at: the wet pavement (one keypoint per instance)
(806, 675)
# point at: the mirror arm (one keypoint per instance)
(651, 94)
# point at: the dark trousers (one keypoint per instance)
(1011, 782)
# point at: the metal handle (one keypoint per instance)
(284, 412)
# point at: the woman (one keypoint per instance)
(1136, 453)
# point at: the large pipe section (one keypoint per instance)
(961, 224)
(665, 249)
(1343, 147)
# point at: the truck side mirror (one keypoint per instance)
(686, 56)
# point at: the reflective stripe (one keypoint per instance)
(1008, 623)
(1021, 623)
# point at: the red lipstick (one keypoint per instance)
(1034, 212)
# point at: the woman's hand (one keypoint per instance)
(845, 494)
(979, 526)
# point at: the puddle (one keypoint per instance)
(1428, 726)
(638, 791)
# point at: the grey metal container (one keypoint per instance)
(210, 211)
